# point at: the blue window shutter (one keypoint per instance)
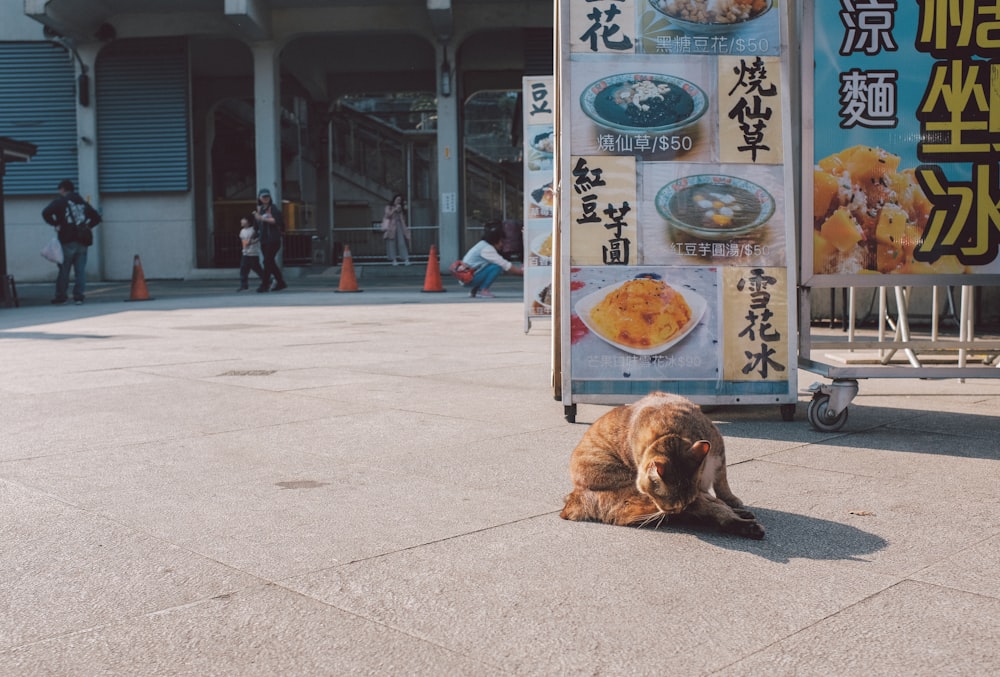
(143, 116)
(38, 86)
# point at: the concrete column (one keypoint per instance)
(267, 117)
(449, 164)
(86, 126)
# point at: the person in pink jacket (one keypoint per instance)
(396, 232)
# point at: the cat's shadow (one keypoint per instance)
(789, 536)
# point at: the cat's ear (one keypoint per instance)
(701, 447)
(658, 467)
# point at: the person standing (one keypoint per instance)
(271, 226)
(73, 219)
(396, 231)
(484, 257)
(250, 260)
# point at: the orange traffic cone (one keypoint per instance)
(348, 282)
(432, 280)
(139, 291)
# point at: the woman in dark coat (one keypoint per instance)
(271, 226)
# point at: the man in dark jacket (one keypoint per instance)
(73, 218)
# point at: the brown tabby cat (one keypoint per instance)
(659, 456)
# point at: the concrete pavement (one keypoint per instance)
(311, 483)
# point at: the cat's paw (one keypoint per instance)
(752, 529)
(744, 513)
(570, 514)
(747, 528)
(574, 508)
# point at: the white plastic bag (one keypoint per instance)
(53, 251)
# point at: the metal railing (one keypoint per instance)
(370, 153)
(367, 245)
(298, 248)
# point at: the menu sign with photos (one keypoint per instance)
(538, 96)
(902, 181)
(675, 215)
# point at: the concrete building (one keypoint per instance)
(171, 114)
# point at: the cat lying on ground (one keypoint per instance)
(651, 459)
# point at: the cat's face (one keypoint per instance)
(670, 471)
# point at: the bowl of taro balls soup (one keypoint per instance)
(714, 206)
(712, 17)
(643, 103)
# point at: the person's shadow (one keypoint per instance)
(788, 536)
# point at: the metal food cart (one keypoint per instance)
(863, 157)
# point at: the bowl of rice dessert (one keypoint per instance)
(712, 16)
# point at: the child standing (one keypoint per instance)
(251, 254)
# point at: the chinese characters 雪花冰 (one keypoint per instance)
(759, 326)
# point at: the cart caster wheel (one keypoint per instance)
(570, 413)
(821, 418)
(788, 412)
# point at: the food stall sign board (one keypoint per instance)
(676, 217)
(539, 141)
(901, 126)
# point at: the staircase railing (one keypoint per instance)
(378, 159)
